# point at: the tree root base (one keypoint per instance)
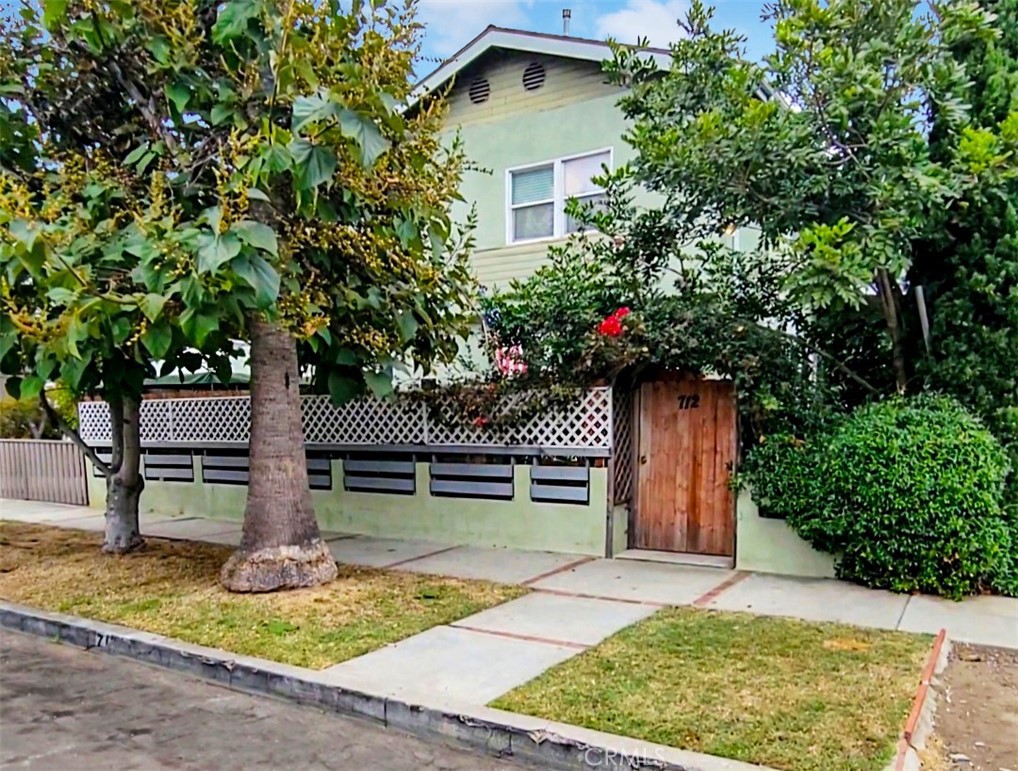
(119, 545)
(279, 567)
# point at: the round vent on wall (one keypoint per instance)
(533, 76)
(480, 90)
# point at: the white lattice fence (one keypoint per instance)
(623, 445)
(585, 425)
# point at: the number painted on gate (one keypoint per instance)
(689, 401)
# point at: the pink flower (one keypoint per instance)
(509, 361)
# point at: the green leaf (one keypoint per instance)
(343, 389)
(254, 194)
(216, 250)
(75, 331)
(260, 276)
(198, 326)
(232, 20)
(71, 372)
(159, 47)
(179, 94)
(363, 131)
(313, 164)
(220, 112)
(121, 328)
(54, 12)
(258, 235)
(31, 387)
(61, 295)
(380, 383)
(152, 305)
(310, 109)
(157, 338)
(407, 325)
(136, 154)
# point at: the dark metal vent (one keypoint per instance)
(480, 90)
(533, 76)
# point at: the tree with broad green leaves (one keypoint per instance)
(824, 146)
(293, 196)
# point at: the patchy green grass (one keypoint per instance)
(172, 588)
(778, 692)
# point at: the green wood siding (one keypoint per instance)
(566, 81)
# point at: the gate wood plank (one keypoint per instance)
(687, 451)
(42, 470)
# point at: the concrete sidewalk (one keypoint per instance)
(575, 603)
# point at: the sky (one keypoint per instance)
(452, 23)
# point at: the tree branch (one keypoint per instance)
(73, 435)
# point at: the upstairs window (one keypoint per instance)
(537, 195)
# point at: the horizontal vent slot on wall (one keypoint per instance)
(169, 467)
(472, 480)
(560, 484)
(234, 470)
(225, 469)
(372, 473)
(319, 471)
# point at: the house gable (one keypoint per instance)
(503, 84)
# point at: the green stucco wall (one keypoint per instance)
(519, 523)
(771, 546)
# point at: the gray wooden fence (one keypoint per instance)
(42, 470)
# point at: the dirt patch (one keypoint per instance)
(977, 715)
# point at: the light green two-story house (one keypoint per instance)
(536, 114)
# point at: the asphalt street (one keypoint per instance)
(68, 709)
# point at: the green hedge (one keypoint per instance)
(907, 493)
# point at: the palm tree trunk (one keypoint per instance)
(281, 547)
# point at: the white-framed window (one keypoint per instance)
(536, 195)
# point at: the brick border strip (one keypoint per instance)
(495, 732)
(920, 717)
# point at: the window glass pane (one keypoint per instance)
(574, 225)
(533, 185)
(579, 171)
(534, 222)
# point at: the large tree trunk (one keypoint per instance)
(124, 483)
(281, 547)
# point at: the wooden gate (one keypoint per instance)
(687, 446)
(42, 470)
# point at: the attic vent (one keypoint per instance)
(533, 76)
(480, 90)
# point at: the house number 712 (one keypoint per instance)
(689, 401)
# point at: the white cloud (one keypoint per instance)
(453, 23)
(654, 19)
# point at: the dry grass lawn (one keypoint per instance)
(171, 588)
(778, 692)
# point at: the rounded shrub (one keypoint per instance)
(907, 493)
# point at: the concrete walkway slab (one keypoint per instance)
(94, 522)
(983, 620)
(446, 665)
(505, 566)
(41, 511)
(636, 581)
(190, 529)
(818, 599)
(550, 617)
(380, 552)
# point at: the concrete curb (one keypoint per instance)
(501, 734)
(919, 724)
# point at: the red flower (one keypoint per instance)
(480, 422)
(610, 327)
(621, 313)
